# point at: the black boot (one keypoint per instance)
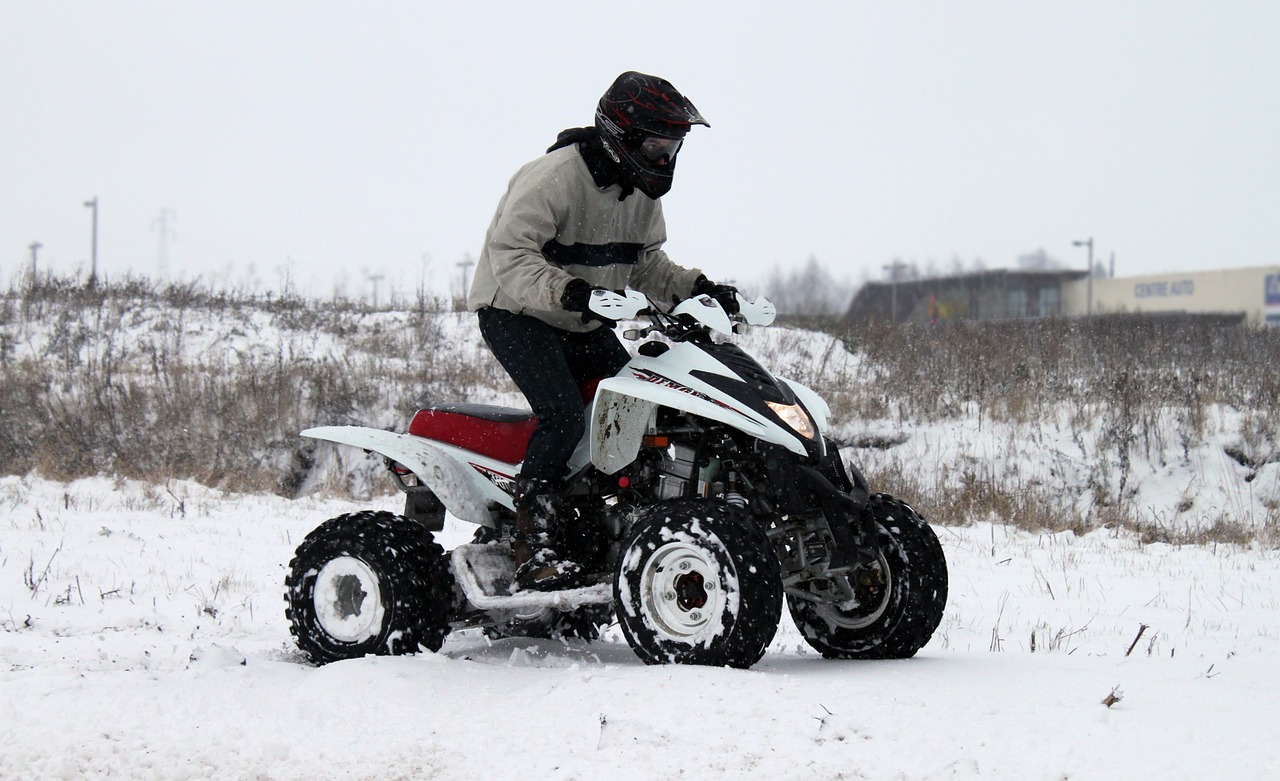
(540, 511)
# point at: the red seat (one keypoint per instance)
(500, 433)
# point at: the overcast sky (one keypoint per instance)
(328, 141)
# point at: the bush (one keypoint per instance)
(157, 382)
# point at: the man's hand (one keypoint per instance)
(577, 298)
(727, 295)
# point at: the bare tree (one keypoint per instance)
(809, 290)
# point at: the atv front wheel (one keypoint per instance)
(697, 582)
(898, 599)
(368, 583)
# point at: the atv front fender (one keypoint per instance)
(459, 488)
(626, 407)
(618, 424)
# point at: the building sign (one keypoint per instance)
(1164, 289)
(1272, 310)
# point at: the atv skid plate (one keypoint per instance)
(484, 573)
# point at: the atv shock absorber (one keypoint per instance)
(731, 493)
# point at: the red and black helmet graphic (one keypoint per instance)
(637, 103)
(638, 107)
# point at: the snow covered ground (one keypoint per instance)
(144, 638)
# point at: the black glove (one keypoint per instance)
(577, 298)
(727, 295)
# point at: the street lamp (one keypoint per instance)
(1089, 300)
(93, 268)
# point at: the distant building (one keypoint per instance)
(1252, 294)
(979, 295)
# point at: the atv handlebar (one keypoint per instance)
(694, 314)
(758, 312)
(617, 305)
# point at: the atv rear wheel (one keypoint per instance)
(697, 582)
(368, 583)
(898, 599)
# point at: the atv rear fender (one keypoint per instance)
(461, 490)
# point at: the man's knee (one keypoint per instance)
(564, 422)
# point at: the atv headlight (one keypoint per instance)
(795, 417)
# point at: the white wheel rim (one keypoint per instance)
(683, 593)
(348, 600)
(834, 615)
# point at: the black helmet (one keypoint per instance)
(642, 121)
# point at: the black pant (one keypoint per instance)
(547, 365)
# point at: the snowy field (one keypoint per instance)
(144, 638)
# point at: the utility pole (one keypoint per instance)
(1088, 309)
(162, 226)
(35, 247)
(466, 264)
(893, 269)
(93, 267)
(375, 279)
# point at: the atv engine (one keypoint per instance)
(674, 469)
(678, 465)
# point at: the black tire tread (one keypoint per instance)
(913, 617)
(411, 565)
(758, 575)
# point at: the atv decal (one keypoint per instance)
(505, 483)
(667, 382)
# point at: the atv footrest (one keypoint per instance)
(484, 574)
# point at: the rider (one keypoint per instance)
(572, 222)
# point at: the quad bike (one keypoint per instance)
(704, 490)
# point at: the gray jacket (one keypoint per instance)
(554, 224)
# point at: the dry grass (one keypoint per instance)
(126, 379)
(1020, 370)
(1133, 382)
